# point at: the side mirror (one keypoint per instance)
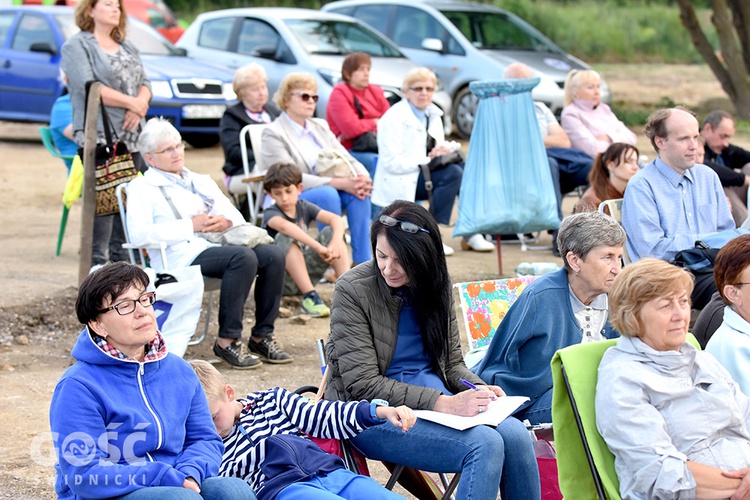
(181, 51)
(265, 52)
(43, 47)
(433, 44)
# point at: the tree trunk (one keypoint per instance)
(733, 32)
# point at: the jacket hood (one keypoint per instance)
(87, 351)
(663, 361)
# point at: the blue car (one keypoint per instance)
(191, 94)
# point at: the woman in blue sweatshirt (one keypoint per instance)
(128, 419)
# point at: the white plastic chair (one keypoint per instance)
(253, 178)
(615, 210)
(210, 284)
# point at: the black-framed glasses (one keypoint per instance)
(306, 97)
(178, 148)
(407, 226)
(127, 306)
(421, 89)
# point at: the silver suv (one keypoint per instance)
(464, 42)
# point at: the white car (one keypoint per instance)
(286, 40)
(465, 42)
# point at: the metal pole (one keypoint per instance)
(88, 211)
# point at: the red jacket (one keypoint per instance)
(342, 116)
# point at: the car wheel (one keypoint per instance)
(464, 111)
(201, 140)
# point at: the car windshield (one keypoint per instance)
(339, 37)
(498, 31)
(145, 39)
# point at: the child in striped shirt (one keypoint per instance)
(266, 440)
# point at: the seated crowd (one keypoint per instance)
(675, 418)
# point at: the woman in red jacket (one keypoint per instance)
(354, 107)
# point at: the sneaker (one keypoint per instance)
(477, 243)
(237, 355)
(448, 250)
(315, 307)
(269, 351)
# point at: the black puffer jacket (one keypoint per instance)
(360, 347)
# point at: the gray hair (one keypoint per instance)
(582, 232)
(418, 74)
(715, 117)
(247, 76)
(156, 132)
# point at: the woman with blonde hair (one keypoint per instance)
(296, 138)
(590, 124)
(671, 414)
(100, 52)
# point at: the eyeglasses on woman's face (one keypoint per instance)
(422, 89)
(407, 226)
(306, 97)
(127, 306)
(177, 148)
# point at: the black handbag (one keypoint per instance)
(367, 142)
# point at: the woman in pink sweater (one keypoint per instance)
(354, 108)
(590, 124)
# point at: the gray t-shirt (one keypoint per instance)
(306, 213)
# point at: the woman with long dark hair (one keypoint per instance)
(394, 337)
(609, 176)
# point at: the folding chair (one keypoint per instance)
(483, 307)
(253, 179)
(615, 210)
(210, 284)
(49, 144)
(579, 445)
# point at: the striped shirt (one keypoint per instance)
(278, 411)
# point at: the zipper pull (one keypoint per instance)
(140, 370)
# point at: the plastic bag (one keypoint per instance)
(546, 459)
(179, 297)
(507, 185)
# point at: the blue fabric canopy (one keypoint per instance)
(507, 185)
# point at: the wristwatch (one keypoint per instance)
(374, 406)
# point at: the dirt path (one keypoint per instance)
(37, 328)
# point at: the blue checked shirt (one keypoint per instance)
(664, 212)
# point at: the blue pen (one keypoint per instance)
(468, 384)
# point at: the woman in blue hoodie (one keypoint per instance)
(130, 420)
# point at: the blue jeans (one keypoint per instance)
(488, 458)
(357, 212)
(367, 159)
(540, 412)
(340, 483)
(237, 267)
(212, 488)
(446, 183)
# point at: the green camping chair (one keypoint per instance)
(49, 144)
(585, 466)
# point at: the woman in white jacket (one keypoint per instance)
(171, 204)
(410, 134)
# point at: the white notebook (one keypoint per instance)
(497, 411)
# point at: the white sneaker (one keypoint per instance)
(478, 244)
(448, 250)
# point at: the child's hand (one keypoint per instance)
(191, 484)
(334, 251)
(324, 253)
(400, 416)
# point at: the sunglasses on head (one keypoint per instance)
(407, 226)
(306, 97)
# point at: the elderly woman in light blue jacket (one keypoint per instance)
(673, 417)
(411, 134)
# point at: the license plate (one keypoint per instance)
(203, 111)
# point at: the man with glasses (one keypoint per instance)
(172, 205)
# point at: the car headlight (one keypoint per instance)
(330, 76)
(161, 89)
(228, 92)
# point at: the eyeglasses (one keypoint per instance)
(409, 227)
(179, 148)
(421, 89)
(127, 306)
(742, 283)
(306, 97)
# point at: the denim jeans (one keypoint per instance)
(488, 458)
(107, 241)
(446, 183)
(540, 412)
(237, 267)
(338, 484)
(357, 212)
(367, 159)
(212, 488)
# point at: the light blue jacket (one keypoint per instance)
(730, 344)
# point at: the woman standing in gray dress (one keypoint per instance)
(100, 52)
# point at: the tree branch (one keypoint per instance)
(741, 18)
